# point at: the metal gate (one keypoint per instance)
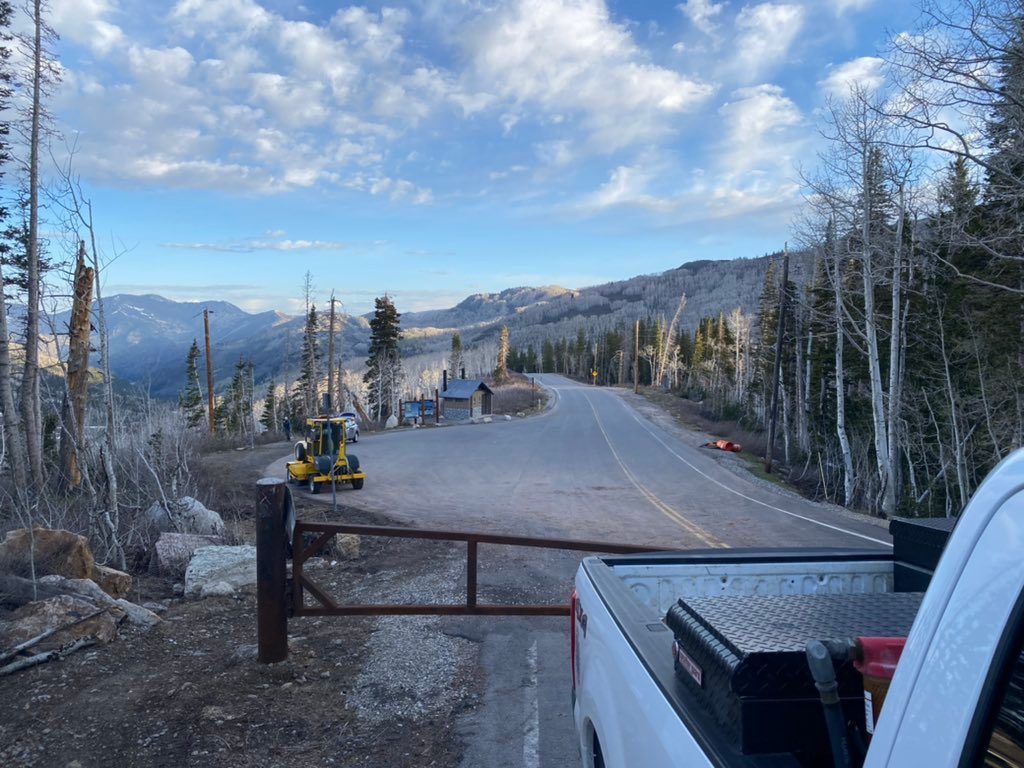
(280, 596)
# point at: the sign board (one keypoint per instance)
(411, 409)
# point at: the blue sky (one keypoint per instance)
(439, 148)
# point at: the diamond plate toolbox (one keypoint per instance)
(743, 659)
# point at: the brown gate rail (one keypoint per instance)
(279, 597)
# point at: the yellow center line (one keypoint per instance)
(690, 527)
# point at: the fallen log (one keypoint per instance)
(43, 635)
(16, 591)
(42, 658)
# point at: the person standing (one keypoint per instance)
(287, 425)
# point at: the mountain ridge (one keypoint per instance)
(150, 334)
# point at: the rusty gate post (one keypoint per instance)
(271, 542)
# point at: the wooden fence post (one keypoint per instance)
(272, 532)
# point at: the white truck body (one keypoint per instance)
(632, 712)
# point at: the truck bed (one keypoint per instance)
(638, 590)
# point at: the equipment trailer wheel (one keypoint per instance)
(357, 484)
(312, 485)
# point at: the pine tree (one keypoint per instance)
(190, 401)
(501, 369)
(269, 419)
(308, 378)
(547, 363)
(384, 377)
(455, 359)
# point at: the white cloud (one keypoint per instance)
(272, 241)
(627, 186)
(241, 98)
(865, 72)
(765, 33)
(557, 153)
(842, 6)
(568, 56)
(762, 130)
(702, 14)
(86, 22)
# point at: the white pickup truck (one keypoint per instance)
(647, 696)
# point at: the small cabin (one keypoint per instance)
(466, 399)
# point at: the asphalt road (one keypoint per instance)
(591, 467)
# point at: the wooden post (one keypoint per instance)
(209, 372)
(423, 410)
(272, 531)
(777, 368)
(437, 407)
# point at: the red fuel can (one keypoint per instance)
(876, 659)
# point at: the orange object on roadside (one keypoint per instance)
(725, 445)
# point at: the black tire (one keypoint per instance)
(311, 485)
(355, 437)
(598, 757)
(300, 451)
(353, 462)
(357, 484)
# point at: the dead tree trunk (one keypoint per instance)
(30, 406)
(13, 437)
(73, 410)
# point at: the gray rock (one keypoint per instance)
(35, 618)
(186, 515)
(247, 652)
(178, 589)
(137, 615)
(391, 422)
(172, 552)
(90, 590)
(156, 606)
(220, 570)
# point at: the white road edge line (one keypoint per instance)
(632, 412)
(531, 724)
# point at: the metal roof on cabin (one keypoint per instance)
(463, 389)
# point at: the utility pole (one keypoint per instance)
(330, 358)
(209, 372)
(777, 368)
(636, 359)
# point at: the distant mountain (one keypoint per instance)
(484, 307)
(710, 287)
(150, 335)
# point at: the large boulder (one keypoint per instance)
(35, 618)
(115, 583)
(173, 551)
(220, 570)
(43, 551)
(186, 515)
(90, 590)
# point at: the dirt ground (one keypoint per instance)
(189, 692)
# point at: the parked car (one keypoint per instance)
(351, 427)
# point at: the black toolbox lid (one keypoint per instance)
(768, 634)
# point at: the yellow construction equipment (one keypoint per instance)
(321, 458)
